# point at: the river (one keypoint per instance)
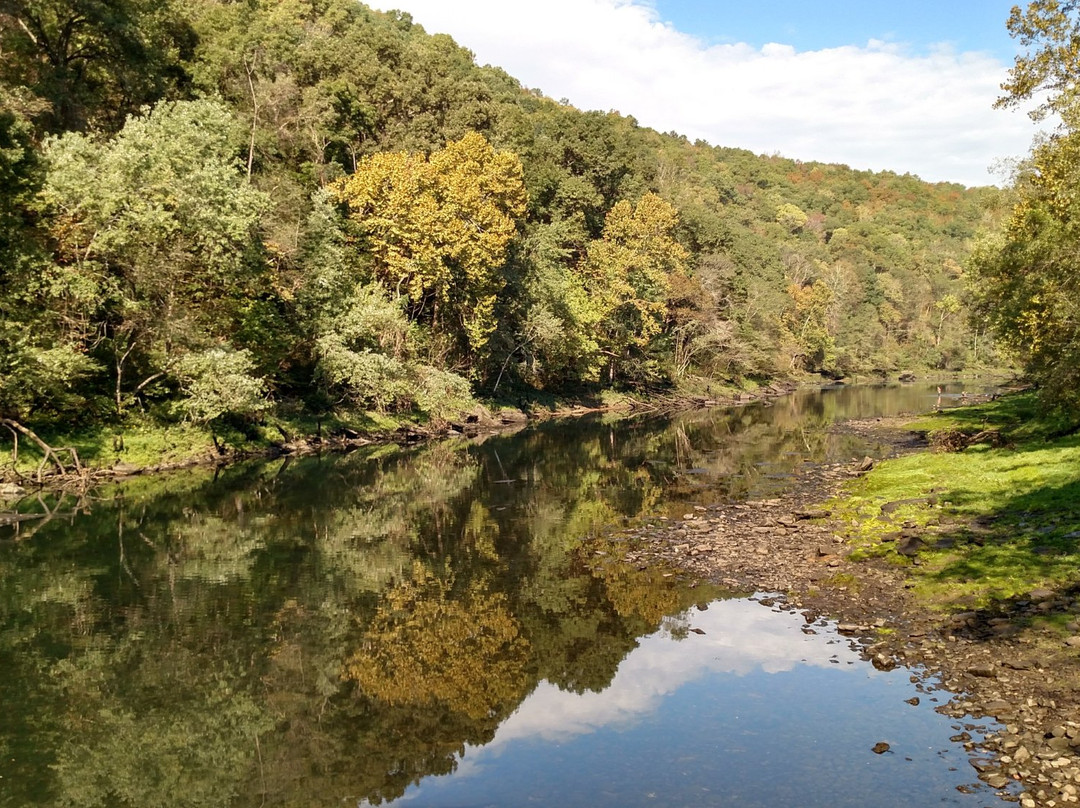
(432, 626)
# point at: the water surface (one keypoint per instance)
(355, 629)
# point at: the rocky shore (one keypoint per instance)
(997, 663)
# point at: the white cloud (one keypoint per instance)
(741, 638)
(873, 106)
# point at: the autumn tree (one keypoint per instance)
(628, 276)
(437, 229)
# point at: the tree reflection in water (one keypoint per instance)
(341, 627)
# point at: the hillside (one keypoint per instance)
(216, 209)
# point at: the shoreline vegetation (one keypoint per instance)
(250, 218)
(51, 459)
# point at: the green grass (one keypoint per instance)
(1007, 520)
(144, 442)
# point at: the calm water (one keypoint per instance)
(428, 626)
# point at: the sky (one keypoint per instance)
(874, 84)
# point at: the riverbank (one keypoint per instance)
(961, 563)
(142, 446)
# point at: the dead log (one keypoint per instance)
(49, 453)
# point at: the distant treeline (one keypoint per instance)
(210, 208)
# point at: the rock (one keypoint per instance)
(865, 465)
(1073, 642)
(1017, 664)
(1059, 744)
(1038, 595)
(985, 671)
(913, 701)
(883, 662)
(880, 748)
(963, 619)
(821, 514)
(909, 546)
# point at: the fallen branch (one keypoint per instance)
(48, 452)
(956, 440)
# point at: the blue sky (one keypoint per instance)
(966, 24)
(906, 86)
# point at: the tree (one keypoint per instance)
(35, 366)
(1050, 30)
(156, 240)
(806, 324)
(438, 229)
(628, 276)
(1026, 279)
(92, 61)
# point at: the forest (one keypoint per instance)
(227, 212)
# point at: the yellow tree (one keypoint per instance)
(628, 275)
(805, 325)
(438, 229)
(427, 647)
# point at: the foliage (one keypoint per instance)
(438, 229)
(1050, 30)
(92, 62)
(380, 223)
(217, 382)
(1025, 276)
(155, 233)
(628, 273)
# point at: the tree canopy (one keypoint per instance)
(318, 206)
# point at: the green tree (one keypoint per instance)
(1025, 278)
(39, 357)
(628, 277)
(1050, 30)
(156, 240)
(92, 61)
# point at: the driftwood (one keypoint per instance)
(49, 453)
(956, 440)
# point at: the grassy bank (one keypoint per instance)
(143, 442)
(989, 523)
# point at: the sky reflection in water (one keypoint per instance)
(754, 712)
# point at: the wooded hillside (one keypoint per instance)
(212, 208)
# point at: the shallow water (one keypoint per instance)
(755, 711)
(345, 629)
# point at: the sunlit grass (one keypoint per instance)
(999, 522)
